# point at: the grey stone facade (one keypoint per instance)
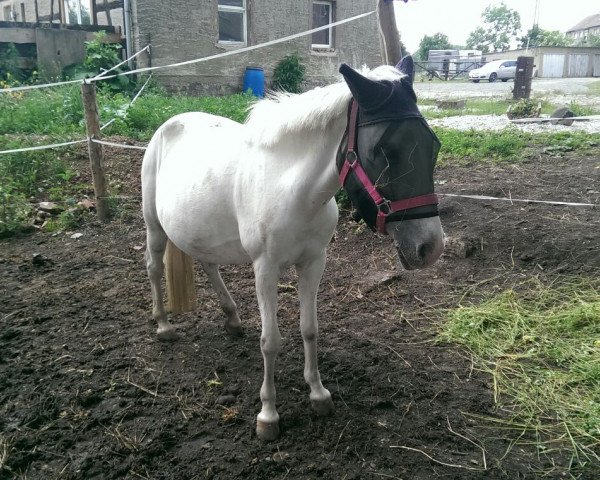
(180, 30)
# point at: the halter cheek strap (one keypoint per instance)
(352, 164)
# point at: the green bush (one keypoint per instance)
(524, 108)
(289, 74)
(101, 56)
(9, 67)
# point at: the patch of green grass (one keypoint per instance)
(508, 145)
(542, 347)
(464, 147)
(59, 111)
(150, 111)
(55, 111)
(594, 88)
(476, 106)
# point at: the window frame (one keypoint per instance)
(322, 46)
(7, 11)
(77, 12)
(233, 9)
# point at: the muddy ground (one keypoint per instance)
(86, 390)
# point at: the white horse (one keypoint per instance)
(263, 193)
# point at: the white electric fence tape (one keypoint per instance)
(244, 49)
(43, 147)
(104, 76)
(520, 200)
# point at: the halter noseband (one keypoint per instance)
(384, 206)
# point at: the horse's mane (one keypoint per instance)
(281, 113)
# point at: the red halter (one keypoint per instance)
(352, 163)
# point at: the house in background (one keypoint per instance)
(557, 62)
(50, 34)
(179, 30)
(588, 26)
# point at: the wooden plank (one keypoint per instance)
(26, 63)
(17, 35)
(555, 120)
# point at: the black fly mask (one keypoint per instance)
(388, 153)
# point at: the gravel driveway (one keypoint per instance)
(558, 91)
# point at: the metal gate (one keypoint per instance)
(553, 66)
(596, 72)
(578, 65)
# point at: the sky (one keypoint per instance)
(458, 18)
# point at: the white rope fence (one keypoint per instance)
(64, 144)
(105, 76)
(71, 82)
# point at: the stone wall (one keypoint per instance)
(179, 31)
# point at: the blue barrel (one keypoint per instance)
(254, 80)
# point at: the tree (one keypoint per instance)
(538, 37)
(591, 40)
(501, 25)
(438, 41)
(479, 40)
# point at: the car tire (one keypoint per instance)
(505, 79)
(493, 77)
(475, 81)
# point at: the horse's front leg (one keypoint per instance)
(267, 275)
(309, 277)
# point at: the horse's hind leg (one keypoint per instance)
(156, 243)
(309, 277)
(233, 325)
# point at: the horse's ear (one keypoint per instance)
(407, 66)
(369, 94)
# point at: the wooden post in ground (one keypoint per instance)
(389, 39)
(522, 88)
(95, 150)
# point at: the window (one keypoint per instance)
(322, 14)
(232, 21)
(78, 12)
(7, 13)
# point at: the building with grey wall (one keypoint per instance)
(179, 30)
(557, 62)
(589, 26)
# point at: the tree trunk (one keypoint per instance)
(389, 39)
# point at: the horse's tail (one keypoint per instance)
(179, 271)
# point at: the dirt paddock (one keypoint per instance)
(86, 390)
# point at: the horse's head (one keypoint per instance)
(389, 146)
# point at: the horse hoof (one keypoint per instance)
(267, 431)
(323, 407)
(234, 330)
(167, 335)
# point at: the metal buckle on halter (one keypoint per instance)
(385, 207)
(351, 158)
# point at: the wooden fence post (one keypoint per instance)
(389, 39)
(95, 150)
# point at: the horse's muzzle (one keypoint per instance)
(419, 242)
